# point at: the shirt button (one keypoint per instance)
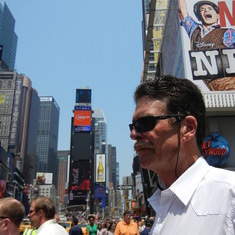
(159, 220)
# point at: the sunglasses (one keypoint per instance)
(31, 211)
(147, 123)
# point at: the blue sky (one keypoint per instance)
(64, 45)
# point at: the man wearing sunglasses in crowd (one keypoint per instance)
(12, 213)
(42, 217)
(168, 127)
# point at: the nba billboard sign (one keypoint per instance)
(208, 39)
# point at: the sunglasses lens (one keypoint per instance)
(144, 124)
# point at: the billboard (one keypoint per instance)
(82, 118)
(81, 149)
(80, 181)
(83, 96)
(100, 168)
(44, 178)
(215, 149)
(208, 36)
(100, 196)
(16, 110)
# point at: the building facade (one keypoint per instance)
(47, 137)
(8, 38)
(19, 109)
(62, 175)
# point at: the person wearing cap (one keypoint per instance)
(76, 229)
(127, 226)
(208, 35)
(91, 228)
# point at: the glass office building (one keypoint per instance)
(8, 37)
(47, 137)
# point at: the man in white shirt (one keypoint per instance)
(168, 127)
(42, 214)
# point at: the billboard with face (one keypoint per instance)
(208, 36)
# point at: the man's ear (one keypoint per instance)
(189, 128)
(6, 224)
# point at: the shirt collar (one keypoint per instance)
(185, 186)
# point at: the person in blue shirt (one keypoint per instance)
(76, 229)
(147, 228)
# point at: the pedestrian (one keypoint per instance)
(112, 229)
(127, 225)
(12, 213)
(30, 231)
(91, 227)
(147, 228)
(168, 127)
(42, 214)
(76, 229)
(100, 229)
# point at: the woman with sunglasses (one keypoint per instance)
(168, 127)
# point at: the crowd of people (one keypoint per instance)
(42, 215)
(168, 127)
(108, 226)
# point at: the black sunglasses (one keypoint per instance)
(3, 217)
(147, 123)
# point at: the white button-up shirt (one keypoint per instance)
(200, 202)
(50, 227)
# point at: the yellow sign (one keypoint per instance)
(2, 99)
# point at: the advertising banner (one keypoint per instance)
(100, 168)
(82, 118)
(44, 178)
(16, 111)
(215, 150)
(80, 180)
(208, 39)
(100, 195)
(83, 96)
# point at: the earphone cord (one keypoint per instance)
(177, 158)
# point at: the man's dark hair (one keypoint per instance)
(181, 96)
(75, 221)
(45, 204)
(127, 212)
(197, 6)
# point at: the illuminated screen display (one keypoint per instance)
(83, 96)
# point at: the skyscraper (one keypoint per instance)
(19, 111)
(47, 138)
(62, 176)
(8, 37)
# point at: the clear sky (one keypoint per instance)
(64, 45)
